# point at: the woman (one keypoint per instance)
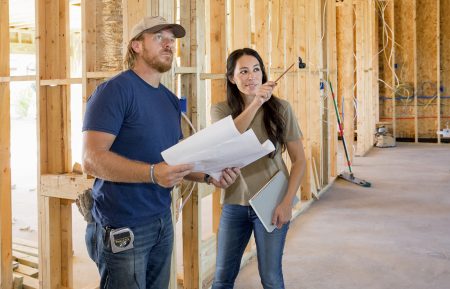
(251, 104)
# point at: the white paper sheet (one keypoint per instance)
(217, 147)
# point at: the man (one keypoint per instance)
(129, 121)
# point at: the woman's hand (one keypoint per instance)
(264, 92)
(282, 214)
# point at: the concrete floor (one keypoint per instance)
(393, 235)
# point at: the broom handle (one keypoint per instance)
(341, 131)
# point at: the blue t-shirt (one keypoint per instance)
(145, 121)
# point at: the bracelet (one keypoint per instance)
(207, 179)
(152, 174)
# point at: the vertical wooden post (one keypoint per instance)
(241, 31)
(218, 87)
(375, 64)
(438, 68)
(346, 66)
(89, 42)
(332, 76)
(393, 80)
(301, 43)
(192, 55)
(55, 226)
(262, 31)
(416, 120)
(5, 159)
(290, 56)
(366, 118)
(445, 62)
(427, 68)
(314, 102)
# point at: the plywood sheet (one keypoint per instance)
(404, 68)
(426, 23)
(445, 62)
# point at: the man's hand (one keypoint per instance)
(168, 176)
(282, 214)
(228, 177)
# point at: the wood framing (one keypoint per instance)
(346, 64)
(427, 66)
(280, 30)
(420, 108)
(262, 40)
(301, 90)
(6, 277)
(55, 226)
(438, 70)
(218, 50)
(365, 55)
(240, 23)
(192, 55)
(331, 75)
(444, 56)
(404, 114)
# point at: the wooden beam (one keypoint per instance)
(101, 74)
(241, 24)
(375, 64)
(416, 120)
(65, 186)
(52, 52)
(346, 66)
(427, 68)
(365, 54)
(404, 124)
(438, 68)
(301, 44)
(56, 82)
(6, 277)
(192, 55)
(18, 78)
(331, 76)
(262, 40)
(89, 74)
(391, 42)
(445, 62)
(218, 48)
(314, 101)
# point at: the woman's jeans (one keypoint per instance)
(145, 266)
(236, 226)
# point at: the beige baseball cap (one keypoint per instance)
(154, 24)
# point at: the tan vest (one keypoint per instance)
(255, 175)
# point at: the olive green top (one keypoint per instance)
(255, 175)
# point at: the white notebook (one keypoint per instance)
(267, 199)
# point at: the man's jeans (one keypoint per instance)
(145, 266)
(236, 226)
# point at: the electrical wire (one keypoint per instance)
(190, 183)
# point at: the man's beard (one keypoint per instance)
(156, 63)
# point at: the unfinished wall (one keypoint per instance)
(386, 59)
(366, 61)
(421, 106)
(427, 65)
(405, 71)
(357, 56)
(445, 64)
(346, 64)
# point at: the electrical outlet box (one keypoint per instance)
(445, 132)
